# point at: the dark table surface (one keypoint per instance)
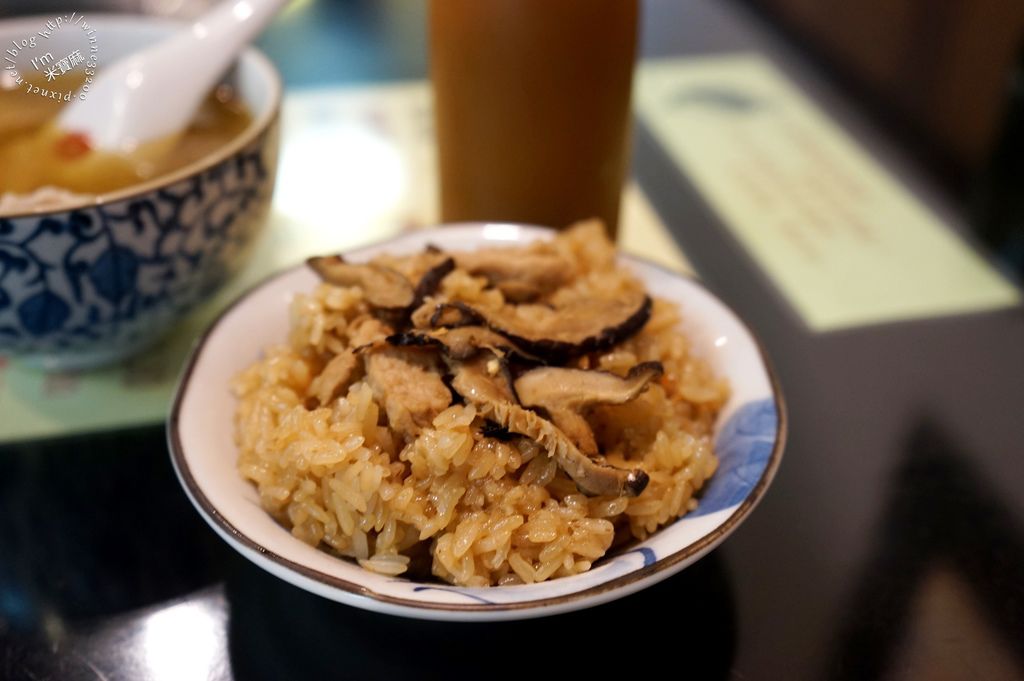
(891, 544)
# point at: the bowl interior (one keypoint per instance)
(120, 35)
(749, 441)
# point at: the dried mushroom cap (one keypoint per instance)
(519, 273)
(566, 388)
(491, 393)
(431, 279)
(591, 477)
(460, 343)
(556, 333)
(384, 288)
(483, 380)
(564, 393)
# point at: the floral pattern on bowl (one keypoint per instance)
(103, 280)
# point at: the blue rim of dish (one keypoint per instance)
(695, 549)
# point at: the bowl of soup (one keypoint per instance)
(100, 254)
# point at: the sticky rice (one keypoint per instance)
(449, 498)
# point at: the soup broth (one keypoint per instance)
(34, 153)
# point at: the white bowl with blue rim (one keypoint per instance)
(749, 439)
(102, 278)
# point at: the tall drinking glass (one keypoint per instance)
(532, 107)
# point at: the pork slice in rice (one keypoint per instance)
(408, 384)
(367, 332)
(334, 379)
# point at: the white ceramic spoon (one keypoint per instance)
(153, 94)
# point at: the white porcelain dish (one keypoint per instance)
(749, 440)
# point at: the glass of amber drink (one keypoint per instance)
(532, 107)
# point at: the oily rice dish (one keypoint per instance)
(491, 417)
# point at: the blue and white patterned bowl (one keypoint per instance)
(97, 281)
(749, 442)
